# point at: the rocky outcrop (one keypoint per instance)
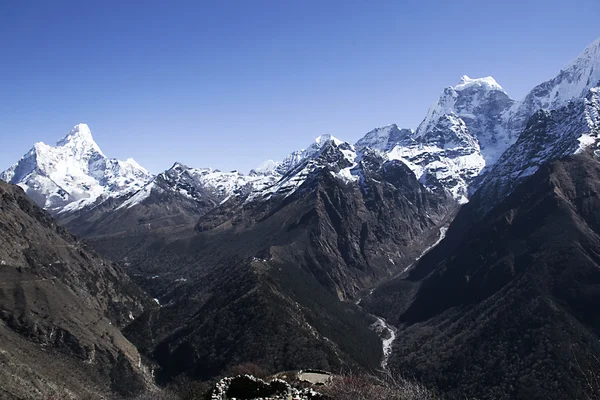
(250, 387)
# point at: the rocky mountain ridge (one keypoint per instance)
(461, 140)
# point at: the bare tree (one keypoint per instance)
(386, 386)
(590, 375)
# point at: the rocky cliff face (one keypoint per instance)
(505, 304)
(549, 135)
(464, 133)
(61, 307)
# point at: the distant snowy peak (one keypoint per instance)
(80, 141)
(469, 99)
(386, 138)
(325, 153)
(74, 173)
(72, 154)
(487, 83)
(268, 167)
(573, 82)
(320, 143)
(204, 185)
(297, 157)
(324, 139)
(220, 184)
(464, 132)
(325, 150)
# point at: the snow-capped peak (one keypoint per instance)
(487, 83)
(590, 55)
(203, 185)
(460, 102)
(463, 132)
(74, 173)
(386, 138)
(326, 152)
(323, 139)
(135, 164)
(297, 157)
(80, 140)
(266, 168)
(573, 82)
(321, 143)
(177, 165)
(80, 130)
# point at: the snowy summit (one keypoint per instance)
(74, 173)
(487, 83)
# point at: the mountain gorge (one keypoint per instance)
(288, 265)
(241, 279)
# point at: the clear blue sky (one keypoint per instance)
(229, 83)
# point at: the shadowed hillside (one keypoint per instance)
(509, 309)
(61, 307)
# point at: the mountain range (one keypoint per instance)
(469, 132)
(474, 236)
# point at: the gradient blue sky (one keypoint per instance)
(231, 83)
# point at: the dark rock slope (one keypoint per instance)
(61, 307)
(506, 307)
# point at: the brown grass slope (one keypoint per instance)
(61, 307)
